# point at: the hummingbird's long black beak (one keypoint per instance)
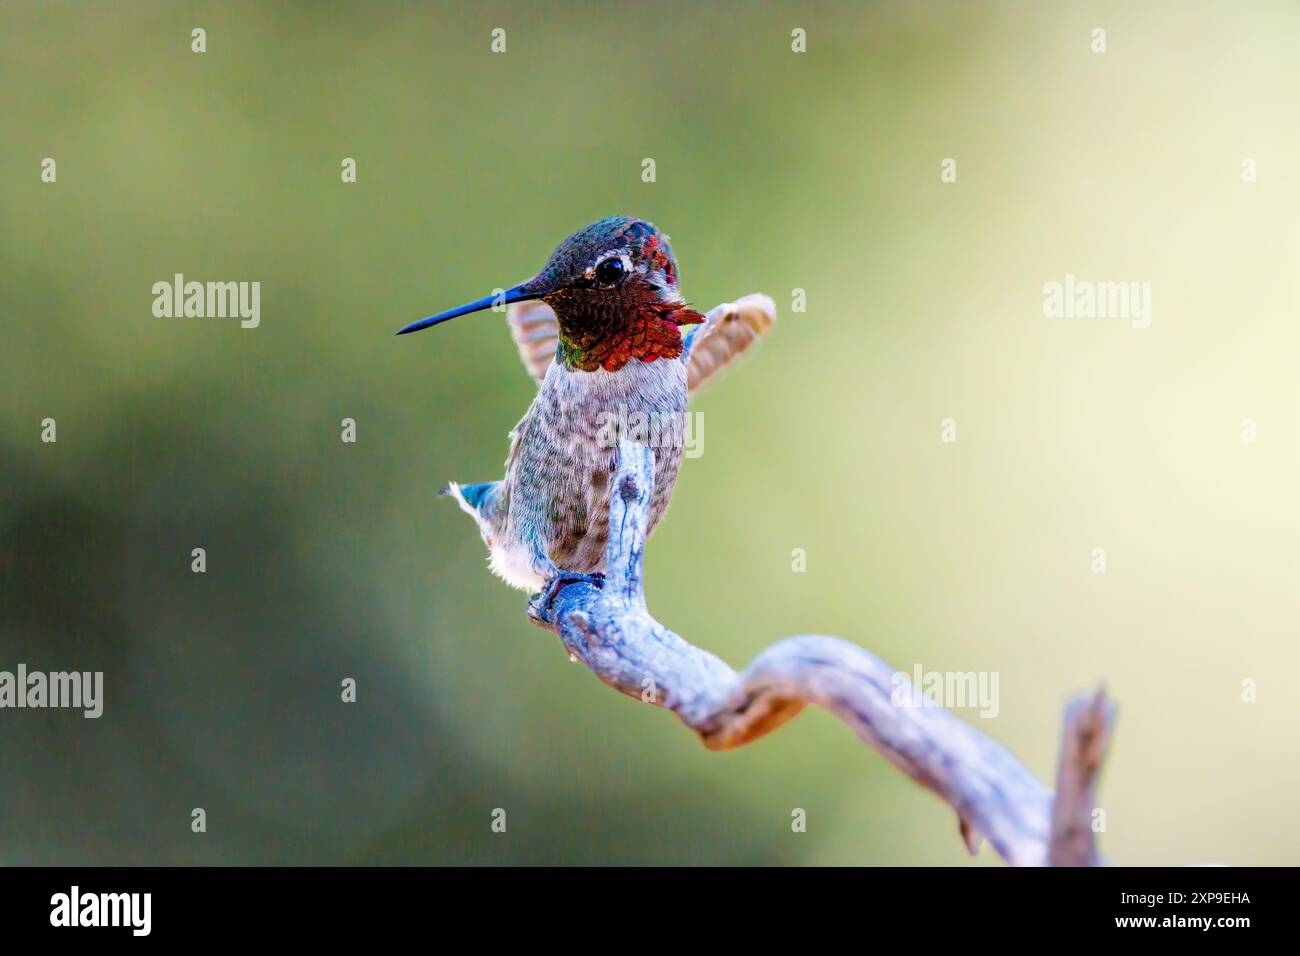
(518, 294)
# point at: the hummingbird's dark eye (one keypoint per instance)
(611, 271)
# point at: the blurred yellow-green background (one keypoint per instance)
(775, 171)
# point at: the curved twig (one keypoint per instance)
(610, 630)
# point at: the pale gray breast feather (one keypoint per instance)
(661, 384)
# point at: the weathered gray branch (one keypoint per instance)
(610, 630)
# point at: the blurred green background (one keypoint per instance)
(775, 171)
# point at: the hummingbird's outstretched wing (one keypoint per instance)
(726, 333)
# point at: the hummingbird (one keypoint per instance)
(600, 328)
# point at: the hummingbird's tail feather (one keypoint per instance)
(479, 502)
(474, 500)
(521, 563)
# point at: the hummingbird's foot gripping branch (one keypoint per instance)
(609, 629)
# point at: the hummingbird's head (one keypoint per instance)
(613, 288)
